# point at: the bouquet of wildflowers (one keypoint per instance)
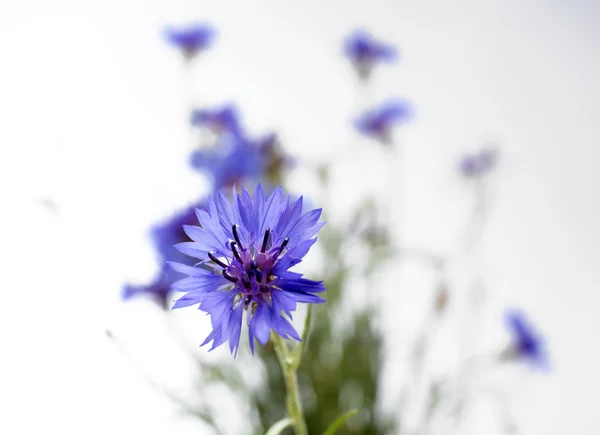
(236, 255)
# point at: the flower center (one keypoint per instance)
(251, 266)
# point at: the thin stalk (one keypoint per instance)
(396, 188)
(297, 353)
(293, 402)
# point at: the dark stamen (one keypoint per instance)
(216, 260)
(285, 242)
(254, 271)
(265, 240)
(283, 245)
(237, 237)
(235, 252)
(229, 277)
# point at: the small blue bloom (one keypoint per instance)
(246, 247)
(526, 343)
(232, 160)
(469, 166)
(163, 236)
(191, 39)
(378, 122)
(220, 120)
(364, 52)
(476, 165)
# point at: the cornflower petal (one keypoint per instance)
(270, 210)
(196, 284)
(192, 249)
(189, 270)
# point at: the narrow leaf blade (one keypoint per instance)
(336, 425)
(279, 426)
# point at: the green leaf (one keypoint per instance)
(339, 422)
(279, 426)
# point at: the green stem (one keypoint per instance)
(297, 353)
(293, 402)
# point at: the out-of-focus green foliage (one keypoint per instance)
(340, 368)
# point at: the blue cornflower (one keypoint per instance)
(191, 39)
(526, 343)
(476, 165)
(163, 236)
(231, 161)
(245, 247)
(224, 119)
(377, 123)
(364, 52)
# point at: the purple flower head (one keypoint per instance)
(364, 52)
(378, 122)
(476, 165)
(526, 343)
(163, 236)
(231, 161)
(191, 39)
(246, 247)
(219, 120)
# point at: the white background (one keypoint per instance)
(93, 110)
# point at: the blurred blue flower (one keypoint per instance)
(220, 120)
(526, 343)
(246, 247)
(364, 52)
(232, 160)
(191, 39)
(476, 165)
(235, 158)
(378, 122)
(168, 233)
(158, 289)
(163, 237)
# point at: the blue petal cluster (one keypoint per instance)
(164, 236)
(246, 247)
(476, 165)
(364, 52)
(191, 39)
(378, 122)
(220, 120)
(526, 344)
(231, 161)
(235, 158)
